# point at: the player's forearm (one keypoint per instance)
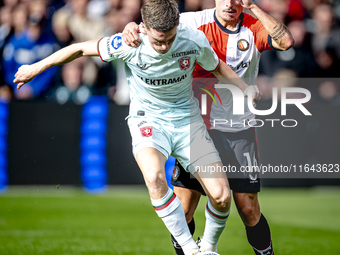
(226, 75)
(278, 31)
(63, 56)
(26, 73)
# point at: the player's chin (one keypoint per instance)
(227, 18)
(162, 51)
(230, 17)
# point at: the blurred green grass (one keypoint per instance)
(45, 220)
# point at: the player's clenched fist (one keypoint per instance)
(25, 74)
(130, 34)
(247, 4)
(255, 93)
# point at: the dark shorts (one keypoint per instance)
(237, 151)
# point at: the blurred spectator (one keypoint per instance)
(74, 22)
(299, 58)
(296, 10)
(60, 28)
(323, 22)
(277, 8)
(333, 43)
(310, 4)
(126, 11)
(29, 44)
(324, 48)
(11, 3)
(83, 27)
(72, 87)
(20, 16)
(6, 31)
(5, 25)
(5, 94)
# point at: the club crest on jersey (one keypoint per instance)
(243, 45)
(176, 172)
(146, 131)
(116, 42)
(184, 63)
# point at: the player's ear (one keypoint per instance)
(142, 28)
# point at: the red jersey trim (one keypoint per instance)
(99, 52)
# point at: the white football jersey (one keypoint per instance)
(160, 84)
(241, 50)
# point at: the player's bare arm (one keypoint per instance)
(226, 75)
(282, 39)
(26, 73)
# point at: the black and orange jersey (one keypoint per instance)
(241, 50)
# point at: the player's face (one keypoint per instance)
(161, 41)
(229, 10)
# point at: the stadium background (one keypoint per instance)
(68, 131)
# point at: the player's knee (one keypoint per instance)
(222, 198)
(248, 211)
(154, 180)
(248, 214)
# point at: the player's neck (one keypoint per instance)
(230, 25)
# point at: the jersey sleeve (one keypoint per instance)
(191, 19)
(207, 57)
(261, 36)
(113, 47)
(196, 19)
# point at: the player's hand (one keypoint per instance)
(254, 92)
(130, 34)
(25, 74)
(247, 4)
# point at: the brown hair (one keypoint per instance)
(161, 15)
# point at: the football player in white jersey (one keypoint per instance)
(238, 39)
(164, 116)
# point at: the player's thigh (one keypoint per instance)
(238, 151)
(151, 149)
(194, 147)
(189, 199)
(248, 207)
(246, 153)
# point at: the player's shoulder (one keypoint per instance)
(113, 47)
(249, 21)
(117, 43)
(198, 18)
(185, 32)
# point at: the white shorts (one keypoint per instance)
(189, 143)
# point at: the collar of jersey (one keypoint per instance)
(155, 53)
(227, 30)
